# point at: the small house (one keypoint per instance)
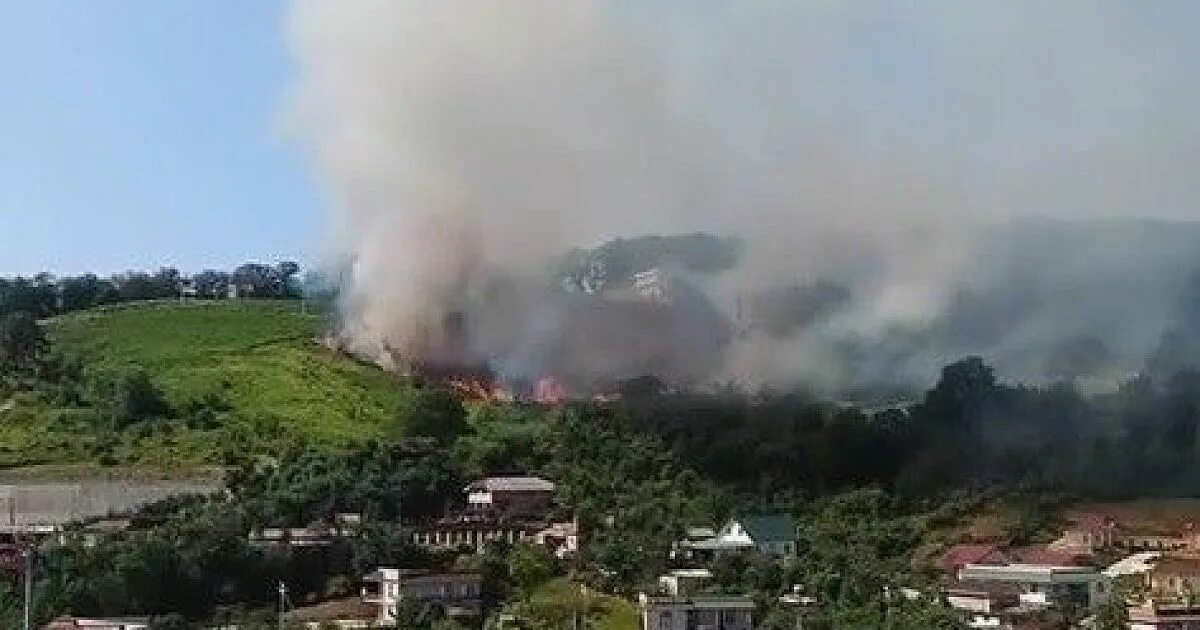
(347, 613)
(1175, 578)
(1131, 570)
(696, 612)
(1089, 532)
(681, 582)
(959, 556)
(1068, 588)
(1155, 615)
(453, 595)
(999, 606)
(771, 534)
(510, 496)
(453, 533)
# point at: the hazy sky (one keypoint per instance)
(139, 133)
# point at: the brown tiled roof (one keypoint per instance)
(1091, 522)
(991, 588)
(512, 484)
(959, 555)
(445, 577)
(334, 609)
(1041, 554)
(1176, 565)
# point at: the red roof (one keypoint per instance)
(1091, 521)
(959, 555)
(1041, 554)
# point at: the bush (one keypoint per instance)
(433, 413)
(206, 411)
(530, 567)
(136, 399)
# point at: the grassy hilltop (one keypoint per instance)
(254, 361)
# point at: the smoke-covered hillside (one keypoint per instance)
(878, 192)
(1046, 300)
(1042, 300)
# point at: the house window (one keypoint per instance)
(734, 618)
(666, 620)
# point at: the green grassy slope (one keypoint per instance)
(560, 597)
(257, 356)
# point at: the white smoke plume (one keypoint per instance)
(884, 146)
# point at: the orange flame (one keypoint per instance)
(479, 389)
(548, 391)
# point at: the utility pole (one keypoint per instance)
(282, 603)
(28, 553)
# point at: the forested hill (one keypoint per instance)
(177, 383)
(305, 433)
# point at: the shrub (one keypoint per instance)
(136, 398)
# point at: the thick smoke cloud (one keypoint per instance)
(885, 148)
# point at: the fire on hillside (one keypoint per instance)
(480, 384)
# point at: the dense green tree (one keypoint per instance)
(136, 398)
(10, 605)
(432, 412)
(44, 295)
(138, 285)
(85, 291)
(386, 482)
(1113, 614)
(22, 342)
(287, 282)
(211, 284)
(529, 567)
(37, 296)
(258, 279)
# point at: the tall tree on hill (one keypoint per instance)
(287, 282)
(257, 279)
(168, 281)
(22, 342)
(138, 285)
(137, 398)
(961, 392)
(37, 296)
(211, 283)
(433, 413)
(85, 291)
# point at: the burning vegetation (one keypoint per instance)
(477, 382)
(483, 385)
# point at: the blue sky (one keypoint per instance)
(142, 133)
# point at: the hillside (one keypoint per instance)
(255, 359)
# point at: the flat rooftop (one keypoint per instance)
(1035, 573)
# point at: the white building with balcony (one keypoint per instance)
(453, 595)
(696, 612)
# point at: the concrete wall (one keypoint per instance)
(60, 503)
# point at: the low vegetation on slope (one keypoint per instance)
(230, 374)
